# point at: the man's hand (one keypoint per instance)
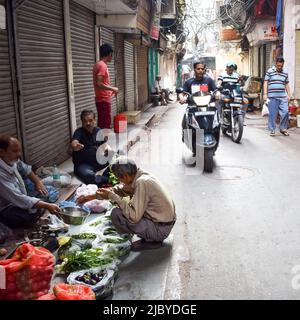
(40, 187)
(115, 91)
(288, 98)
(103, 193)
(76, 146)
(53, 208)
(265, 97)
(182, 98)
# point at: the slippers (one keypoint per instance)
(284, 132)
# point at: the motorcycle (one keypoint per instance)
(201, 116)
(232, 118)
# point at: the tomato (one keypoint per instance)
(65, 291)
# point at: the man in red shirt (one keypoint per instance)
(103, 89)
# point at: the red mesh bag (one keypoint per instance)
(27, 275)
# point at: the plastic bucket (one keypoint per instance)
(298, 121)
(120, 123)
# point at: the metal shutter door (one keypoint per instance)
(297, 71)
(142, 75)
(40, 31)
(120, 74)
(268, 56)
(129, 76)
(107, 36)
(8, 122)
(83, 57)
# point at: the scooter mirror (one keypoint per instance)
(179, 90)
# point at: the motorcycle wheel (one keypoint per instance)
(208, 160)
(237, 128)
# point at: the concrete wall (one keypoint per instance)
(289, 40)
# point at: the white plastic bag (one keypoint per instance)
(265, 109)
(98, 206)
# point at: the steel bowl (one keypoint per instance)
(73, 215)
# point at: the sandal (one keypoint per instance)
(284, 132)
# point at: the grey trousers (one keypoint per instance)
(145, 228)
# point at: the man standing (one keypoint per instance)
(103, 89)
(17, 208)
(276, 88)
(85, 143)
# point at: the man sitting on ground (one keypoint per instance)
(85, 143)
(163, 93)
(17, 209)
(150, 213)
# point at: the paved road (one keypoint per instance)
(237, 235)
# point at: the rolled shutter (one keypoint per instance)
(107, 36)
(129, 76)
(268, 56)
(142, 75)
(8, 121)
(40, 31)
(83, 57)
(120, 74)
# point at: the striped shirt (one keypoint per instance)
(276, 83)
(225, 77)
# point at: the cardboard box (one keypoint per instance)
(133, 117)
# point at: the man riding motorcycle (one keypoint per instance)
(200, 79)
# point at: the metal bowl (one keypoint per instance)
(73, 215)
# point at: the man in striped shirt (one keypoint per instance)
(228, 78)
(277, 90)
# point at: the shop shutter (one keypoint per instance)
(44, 92)
(107, 36)
(83, 57)
(297, 71)
(120, 74)
(142, 75)
(268, 56)
(129, 76)
(8, 122)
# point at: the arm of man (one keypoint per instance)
(39, 185)
(265, 93)
(287, 88)
(135, 209)
(103, 86)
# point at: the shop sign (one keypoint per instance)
(155, 26)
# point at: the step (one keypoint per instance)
(133, 117)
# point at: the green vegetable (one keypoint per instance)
(84, 235)
(112, 179)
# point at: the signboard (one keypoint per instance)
(155, 25)
(263, 32)
(143, 16)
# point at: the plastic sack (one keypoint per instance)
(52, 196)
(265, 109)
(63, 291)
(27, 275)
(98, 206)
(102, 288)
(86, 190)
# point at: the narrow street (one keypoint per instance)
(237, 234)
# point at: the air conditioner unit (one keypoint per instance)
(168, 9)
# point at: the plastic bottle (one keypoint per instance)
(56, 177)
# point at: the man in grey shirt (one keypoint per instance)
(150, 212)
(17, 209)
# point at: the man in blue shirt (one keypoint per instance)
(17, 208)
(85, 143)
(201, 81)
(229, 77)
(277, 90)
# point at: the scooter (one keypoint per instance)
(232, 117)
(201, 125)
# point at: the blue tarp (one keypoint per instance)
(279, 16)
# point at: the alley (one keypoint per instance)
(237, 235)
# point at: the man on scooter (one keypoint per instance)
(200, 79)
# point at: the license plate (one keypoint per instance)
(235, 105)
(204, 113)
